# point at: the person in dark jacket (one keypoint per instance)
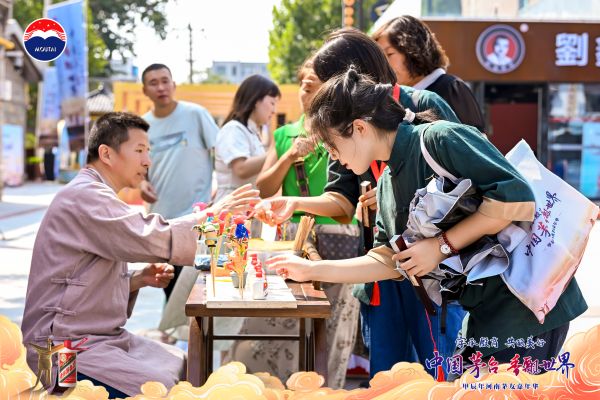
(419, 61)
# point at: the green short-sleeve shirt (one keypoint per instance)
(315, 164)
(464, 152)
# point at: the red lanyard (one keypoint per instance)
(396, 92)
(377, 169)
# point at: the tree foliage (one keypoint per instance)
(300, 27)
(116, 21)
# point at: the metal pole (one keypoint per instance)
(40, 94)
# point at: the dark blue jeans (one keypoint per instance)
(112, 392)
(397, 330)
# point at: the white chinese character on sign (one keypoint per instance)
(598, 52)
(571, 49)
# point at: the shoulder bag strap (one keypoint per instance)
(437, 168)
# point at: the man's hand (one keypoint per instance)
(239, 201)
(155, 275)
(148, 193)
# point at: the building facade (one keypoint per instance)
(236, 71)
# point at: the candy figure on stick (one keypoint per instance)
(201, 228)
(224, 229)
(238, 241)
(241, 231)
(210, 229)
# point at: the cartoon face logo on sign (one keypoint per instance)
(45, 39)
(500, 49)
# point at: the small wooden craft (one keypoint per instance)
(399, 245)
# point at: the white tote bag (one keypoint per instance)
(543, 264)
(545, 254)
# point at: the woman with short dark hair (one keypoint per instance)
(419, 61)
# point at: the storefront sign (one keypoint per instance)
(520, 51)
(571, 49)
(500, 49)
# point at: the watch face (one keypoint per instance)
(445, 249)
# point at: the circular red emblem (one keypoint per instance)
(44, 39)
(500, 49)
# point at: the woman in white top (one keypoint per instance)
(239, 153)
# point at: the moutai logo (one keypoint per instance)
(45, 39)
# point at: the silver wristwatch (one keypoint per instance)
(445, 248)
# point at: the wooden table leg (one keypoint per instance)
(302, 348)
(196, 363)
(209, 346)
(310, 346)
(320, 344)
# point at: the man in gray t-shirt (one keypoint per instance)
(182, 137)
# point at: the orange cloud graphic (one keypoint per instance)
(403, 381)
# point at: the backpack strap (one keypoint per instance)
(437, 168)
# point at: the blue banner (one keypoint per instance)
(71, 66)
(50, 96)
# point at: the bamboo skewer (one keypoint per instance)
(304, 228)
(216, 250)
(213, 265)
